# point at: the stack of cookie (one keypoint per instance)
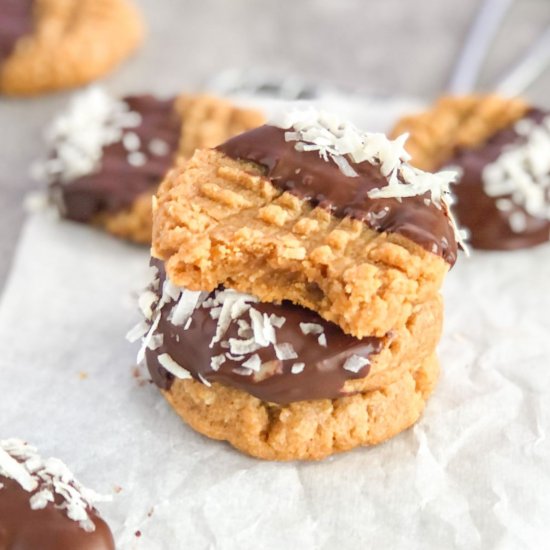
(295, 306)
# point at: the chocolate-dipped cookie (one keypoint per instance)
(43, 507)
(48, 45)
(315, 212)
(108, 155)
(501, 150)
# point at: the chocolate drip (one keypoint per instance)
(117, 183)
(323, 376)
(490, 227)
(16, 20)
(322, 183)
(23, 528)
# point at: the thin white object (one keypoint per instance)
(528, 69)
(480, 37)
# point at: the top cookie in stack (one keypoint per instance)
(312, 211)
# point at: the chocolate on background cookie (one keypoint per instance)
(108, 155)
(43, 507)
(48, 45)
(501, 149)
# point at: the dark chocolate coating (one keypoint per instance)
(308, 176)
(322, 377)
(117, 184)
(477, 211)
(16, 20)
(22, 528)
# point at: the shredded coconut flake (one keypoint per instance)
(204, 380)
(253, 363)
(277, 321)
(159, 147)
(131, 141)
(242, 347)
(136, 159)
(521, 174)
(311, 328)
(297, 368)
(146, 300)
(184, 308)
(217, 361)
(322, 340)
(140, 330)
(355, 363)
(173, 367)
(285, 352)
(47, 478)
(93, 120)
(264, 332)
(243, 371)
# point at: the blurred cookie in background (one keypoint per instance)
(501, 148)
(108, 155)
(43, 506)
(48, 45)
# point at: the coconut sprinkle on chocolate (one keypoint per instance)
(93, 121)
(339, 141)
(48, 481)
(251, 330)
(520, 176)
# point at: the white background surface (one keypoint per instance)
(473, 474)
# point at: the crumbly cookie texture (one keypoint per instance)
(74, 42)
(218, 221)
(462, 121)
(305, 430)
(206, 121)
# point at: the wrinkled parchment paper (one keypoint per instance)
(474, 473)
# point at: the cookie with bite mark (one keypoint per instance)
(501, 149)
(42, 506)
(48, 45)
(312, 211)
(109, 155)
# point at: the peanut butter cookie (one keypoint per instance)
(501, 149)
(109, 155)
(48, 45)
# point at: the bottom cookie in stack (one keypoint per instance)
(277, 381)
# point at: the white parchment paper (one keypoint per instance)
(474, 473)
